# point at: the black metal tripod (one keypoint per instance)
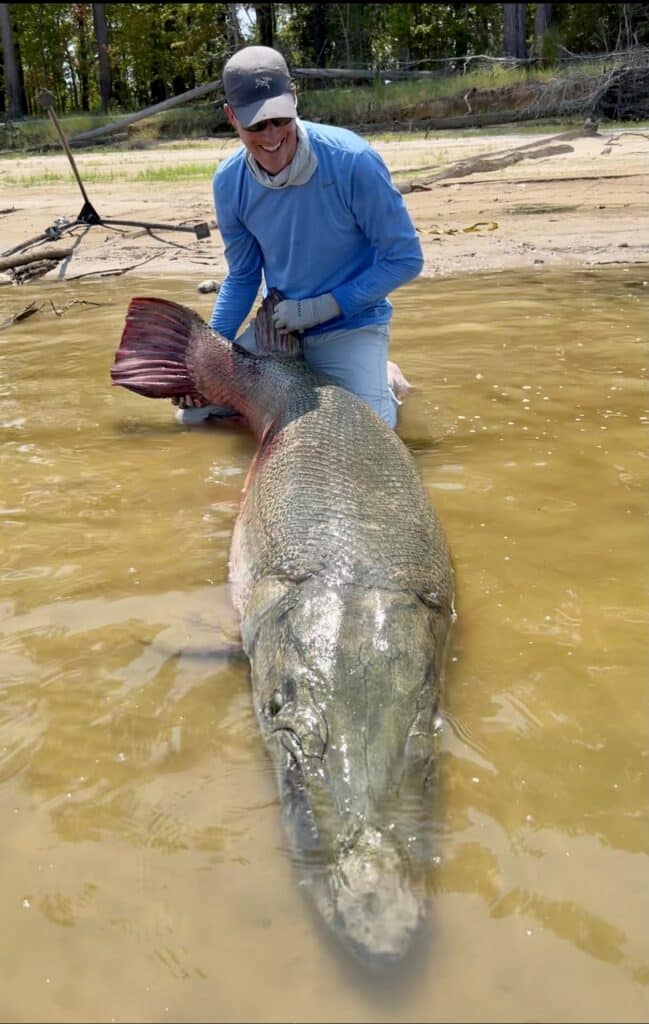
(88, 214)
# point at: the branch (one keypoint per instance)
(117, 272)
(21, 315)
(47, 253)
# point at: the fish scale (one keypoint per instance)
(325, 495)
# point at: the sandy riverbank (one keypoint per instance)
(585, 207)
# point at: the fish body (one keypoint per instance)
(342, 577)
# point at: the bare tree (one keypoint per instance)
(514, 42)
(627, 38)
(105, 73)
(16, 101)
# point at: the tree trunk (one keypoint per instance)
(514, 44)
(235, 39)
(73, 79)
(82, 62)
(105, 74)
(318, 25)
(355, 27)
(542, 19)
(264, 13)
(16, 101)
(461, 33)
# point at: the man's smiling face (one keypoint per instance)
(273, 148)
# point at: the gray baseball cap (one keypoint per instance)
(257, 85)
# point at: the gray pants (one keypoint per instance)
(356, 360)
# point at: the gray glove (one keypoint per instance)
(299, 314)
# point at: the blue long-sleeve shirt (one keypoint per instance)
(346, 231)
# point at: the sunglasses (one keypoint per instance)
(278, 122)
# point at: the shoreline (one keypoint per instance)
(583, 207)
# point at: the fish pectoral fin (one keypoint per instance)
(268, 339)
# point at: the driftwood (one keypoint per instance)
(74, 302)
(48, 252)
(21, 315)
(32, 308)
(496, 161)
(485, 164)
(33, 270)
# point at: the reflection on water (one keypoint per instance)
(141, 835)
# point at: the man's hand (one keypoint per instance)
(300, 314)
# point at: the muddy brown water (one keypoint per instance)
(143, 875)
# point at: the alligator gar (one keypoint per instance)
(343, 580)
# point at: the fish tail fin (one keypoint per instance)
(152, 358)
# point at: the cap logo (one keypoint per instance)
(262, 83)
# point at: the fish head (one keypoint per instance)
(347, 684)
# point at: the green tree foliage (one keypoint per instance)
(419, 32)
(161, 50)
(381, 35)
(158, 50)
(46, 33)
(601, 28)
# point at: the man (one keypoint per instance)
(313, 209)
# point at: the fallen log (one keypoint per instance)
(32, 271)
(363, 74)
(20, 259)
(174, 101)
(481, 164)
(503, 158)
(118, 137)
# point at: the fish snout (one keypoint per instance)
(375, 910)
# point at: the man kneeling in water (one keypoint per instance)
(313, 208)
